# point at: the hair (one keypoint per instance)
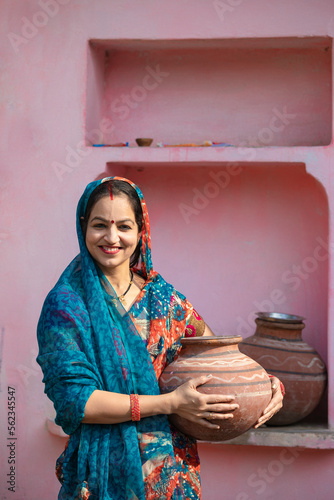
(116, 187)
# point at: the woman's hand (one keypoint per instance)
(188, 403)
(275, 404)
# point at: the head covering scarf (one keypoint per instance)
(88, 341)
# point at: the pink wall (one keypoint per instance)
(228, 256)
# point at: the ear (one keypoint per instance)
(82, 224)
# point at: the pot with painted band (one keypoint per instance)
(233, 373)
(278, 346)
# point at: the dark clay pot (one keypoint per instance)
(233, 373)
(278, 346)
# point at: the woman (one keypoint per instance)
(107, 330)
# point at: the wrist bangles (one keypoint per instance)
(135, 408)
(281, 385)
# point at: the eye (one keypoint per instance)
(100, 225)
(124, 227)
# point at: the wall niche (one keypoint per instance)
(226, 91)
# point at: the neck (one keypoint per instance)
(118, 277)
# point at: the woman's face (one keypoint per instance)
(112, 233)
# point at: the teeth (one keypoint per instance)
(110, 249)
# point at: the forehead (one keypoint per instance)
(120, 205)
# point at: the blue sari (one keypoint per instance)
(87, 342)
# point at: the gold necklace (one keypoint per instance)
(121, 297)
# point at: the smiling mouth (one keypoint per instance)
(110, 250)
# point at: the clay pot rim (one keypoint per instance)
(279, 317)
(212, 341)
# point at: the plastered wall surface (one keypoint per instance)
(231, 245)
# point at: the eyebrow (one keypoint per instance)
(106, 220)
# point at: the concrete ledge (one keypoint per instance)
(294, 436)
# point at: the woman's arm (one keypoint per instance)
(105, 407)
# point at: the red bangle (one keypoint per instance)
(135, 408)
(280, 383)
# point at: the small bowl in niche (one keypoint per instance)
(144, 141)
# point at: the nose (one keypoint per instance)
(111, 235)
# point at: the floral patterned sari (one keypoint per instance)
(88, 341)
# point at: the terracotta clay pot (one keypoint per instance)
(233, 373)
(278, 346)
(141, 141)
